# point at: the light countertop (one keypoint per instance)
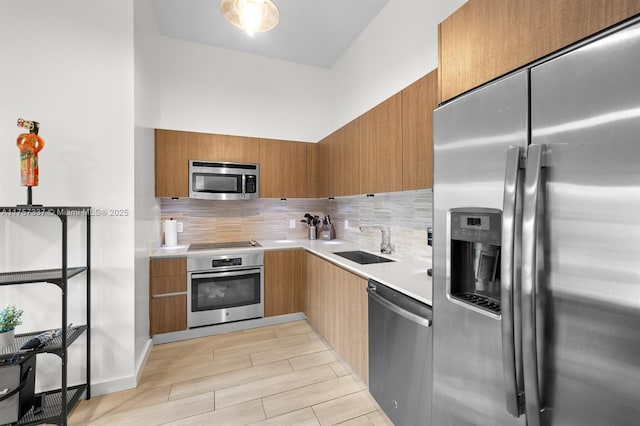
(406, 275)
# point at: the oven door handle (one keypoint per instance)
(235, 272)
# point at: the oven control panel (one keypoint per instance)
(218, 263)
(238, 260)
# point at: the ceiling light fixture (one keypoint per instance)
(252, 16)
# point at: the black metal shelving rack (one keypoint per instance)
(57, 403)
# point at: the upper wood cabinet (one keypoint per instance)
(345, 162)
(418, 102)
(283, 169)
(485, 39)
(340, 164)
(313, 170)
(172, 163)
(388, 148)
(284, 275)
(212, 147)
(381, 147)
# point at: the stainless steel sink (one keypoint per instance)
(363, 257)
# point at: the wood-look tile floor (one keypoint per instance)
(283, 374)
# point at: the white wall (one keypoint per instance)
(214, 90)
(396, 49)
(147, 207)
(69, 65)
(209, 89)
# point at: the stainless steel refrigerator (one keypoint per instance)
(536, 303)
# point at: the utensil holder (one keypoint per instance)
(313, 232)
(328, 233)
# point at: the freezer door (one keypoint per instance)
(471, 137)
(586, 111)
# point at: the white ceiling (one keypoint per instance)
(311, 32)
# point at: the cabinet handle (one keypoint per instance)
(179, 293)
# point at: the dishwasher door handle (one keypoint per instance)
(395, 308)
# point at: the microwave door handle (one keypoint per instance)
(509, 280)
(530, 283)
(244, 185)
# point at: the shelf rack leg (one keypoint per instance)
(63, 354)
(88, 274)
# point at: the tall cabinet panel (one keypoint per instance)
(380, 150)
(418, 103)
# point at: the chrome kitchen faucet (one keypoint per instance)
(385, 245)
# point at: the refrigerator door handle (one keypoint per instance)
(530, 283)
(509, 309)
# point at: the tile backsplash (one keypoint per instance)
(405, 214)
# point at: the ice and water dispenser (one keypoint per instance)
(475, 257)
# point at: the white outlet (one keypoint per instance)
(292, 223)
(346, 224)
(180, 226)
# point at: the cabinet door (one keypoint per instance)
(313, 170)
(168, 313)
(340, 161)
(326, 171)
(171, 163)
(418, 103)
(381, 147)
(168, 310)
(317, 298)
(283, 169)
(212, 147)
(483, 39)
(283, 278)
(349, 158)
(335, 301)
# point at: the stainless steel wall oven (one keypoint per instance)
(224, 288)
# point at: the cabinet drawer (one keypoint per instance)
(168, 267)
(164, 285)
(168, 314)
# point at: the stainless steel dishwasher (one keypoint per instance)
(400, 342)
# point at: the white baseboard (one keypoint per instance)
(111, 386)
(123, 383)
(143, 360)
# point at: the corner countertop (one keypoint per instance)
(406, 275)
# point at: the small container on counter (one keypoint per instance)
(313, 232)
(328, 233)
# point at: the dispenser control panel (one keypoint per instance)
(467, 226)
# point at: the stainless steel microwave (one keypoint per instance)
(210, 180)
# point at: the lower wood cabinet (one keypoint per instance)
(283, 279)
(168, 295)
(335, 301)
(168, 313)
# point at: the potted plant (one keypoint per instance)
(9, 320)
